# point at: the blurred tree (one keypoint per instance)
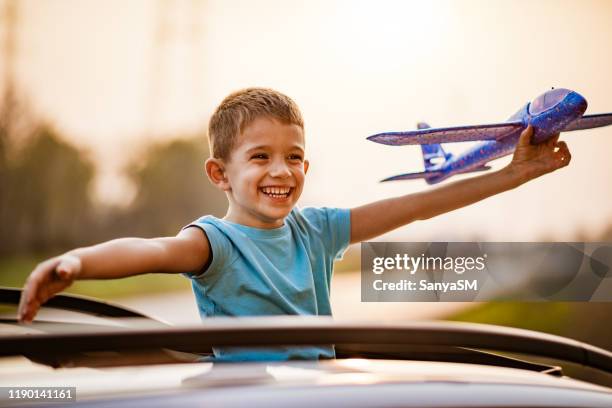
(173, 189)
(45, 195)
(3, 178)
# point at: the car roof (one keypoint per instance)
(279, 383)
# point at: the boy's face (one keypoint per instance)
(265, 173)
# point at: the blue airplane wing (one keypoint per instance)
(429, 174)
(484, 167)
(495, 131)
(413, 176)
(589, 122)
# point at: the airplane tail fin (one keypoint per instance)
(433, 157)
(433, 154)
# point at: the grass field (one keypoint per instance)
(583, 321)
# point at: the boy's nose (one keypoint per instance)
(279, 169)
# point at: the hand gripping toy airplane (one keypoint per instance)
(558, 110)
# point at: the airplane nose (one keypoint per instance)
(576, 103)
(554, 120)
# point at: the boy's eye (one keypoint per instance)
(259, 156)
(295, 157)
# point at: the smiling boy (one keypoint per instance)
(266, 256)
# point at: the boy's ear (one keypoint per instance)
(215, 170)
(306, 165)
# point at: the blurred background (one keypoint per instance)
(104, 107)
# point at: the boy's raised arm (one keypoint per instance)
(529, 161)
(187, 252)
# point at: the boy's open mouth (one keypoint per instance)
(277, 192)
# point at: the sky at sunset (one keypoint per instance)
(113, 75)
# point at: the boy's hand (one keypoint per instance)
(531, 161)
(48, 278)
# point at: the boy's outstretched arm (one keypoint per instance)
(529, 161)
(187, 252)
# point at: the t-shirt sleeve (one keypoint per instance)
(335, 227)
(220, 250)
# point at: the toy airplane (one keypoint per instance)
(558, 110)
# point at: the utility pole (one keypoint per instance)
(177, 28)
(8, 19)
(7, 107)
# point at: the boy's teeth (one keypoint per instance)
(276, 190)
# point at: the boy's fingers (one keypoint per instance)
(33, 282)
(562, 147)
(553, 140)
(28, 305)
(47, 279)
(563, 155)
(33, 302)
(30, 297)
(28, 313)
(22, 310)
(525, 138)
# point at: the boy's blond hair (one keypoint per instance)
(241, 108)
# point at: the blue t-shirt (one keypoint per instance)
(270, 272)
